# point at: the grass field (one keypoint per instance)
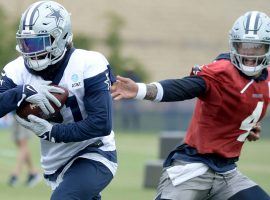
(133, 151)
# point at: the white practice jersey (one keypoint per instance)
(82, 70)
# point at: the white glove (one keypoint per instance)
(40, 127)
(39, 94)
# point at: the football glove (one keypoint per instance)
(40, 95)
(40, 127)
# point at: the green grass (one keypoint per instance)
(255, 162)
(133, 152)
(7, 162)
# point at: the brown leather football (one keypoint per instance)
(27, 108)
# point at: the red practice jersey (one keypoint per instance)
(230, 107)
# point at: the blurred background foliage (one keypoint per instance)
(114, 41)
(8, 40)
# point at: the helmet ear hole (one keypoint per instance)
(52, 39)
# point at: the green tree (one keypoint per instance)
(115, 43)
(82, 41)
(8, 40)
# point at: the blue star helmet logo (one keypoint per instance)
(55, 14)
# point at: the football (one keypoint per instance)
(27, 108)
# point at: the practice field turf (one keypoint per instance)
(133, 151)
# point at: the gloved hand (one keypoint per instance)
(39, 94)
(40, 127)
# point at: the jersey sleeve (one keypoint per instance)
(214, 75)
(98, 106)
(99, 65)
(182, 89)
(11, 87)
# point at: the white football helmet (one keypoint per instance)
(44, 33)
(249, 41)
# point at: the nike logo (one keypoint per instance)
(3, 73)
(29, 87)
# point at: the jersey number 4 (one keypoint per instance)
(248, 123)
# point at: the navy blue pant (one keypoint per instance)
(252, 193)
(84, 180)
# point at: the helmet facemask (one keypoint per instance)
(249, 57)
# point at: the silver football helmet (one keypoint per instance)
(44, 33)
(249, 41)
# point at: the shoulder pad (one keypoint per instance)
(225, 56)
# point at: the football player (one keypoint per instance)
(233, 94)
(78, 151)
(21, 137)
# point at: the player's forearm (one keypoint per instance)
(97, 124)
(172, 89)
(80, 131)
(9, 100)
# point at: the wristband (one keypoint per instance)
(141, 91)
